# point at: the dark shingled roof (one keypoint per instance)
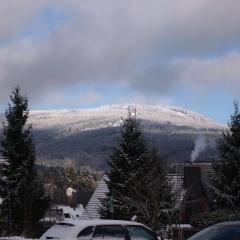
(92, 209)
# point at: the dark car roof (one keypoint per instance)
(230, 223)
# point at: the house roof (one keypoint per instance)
(93, 207)
(176, 179)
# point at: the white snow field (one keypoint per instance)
(110, 116)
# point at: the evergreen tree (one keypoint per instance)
(123, 168)
(136, 180)
(71, 176)
(226, 179)
(153, 199)
(19, 186)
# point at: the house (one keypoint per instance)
(192, 190)
(189, 185)
(94, 205)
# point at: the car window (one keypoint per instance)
(108, 232)
(231, 234)
(67, 215)
(140, 233)
(218, 233)
(64, 224)
(86, 233)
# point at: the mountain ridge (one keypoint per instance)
(159, 113)
(87, 136)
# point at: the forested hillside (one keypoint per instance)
(86, 136)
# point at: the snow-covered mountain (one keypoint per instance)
(110, 116)
(87, 136)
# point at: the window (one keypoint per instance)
(86, 233)
(67, 215)
(108, 232)
(140, 233)
(65, 224)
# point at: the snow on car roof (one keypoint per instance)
(106, 221)
(98, 222)
(70, 229)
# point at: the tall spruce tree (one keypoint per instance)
(19, 187)
(152, 196)
(136, 180)
(123, 169)
(226, 179)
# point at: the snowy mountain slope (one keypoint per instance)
(110, 116)
(87, 136)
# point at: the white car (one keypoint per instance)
(99, 229)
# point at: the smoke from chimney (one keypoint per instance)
(200, 145)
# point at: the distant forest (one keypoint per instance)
(93, 147)
(57, 179)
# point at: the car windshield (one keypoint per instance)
(140, 233)
(108, 232)
(218, 233)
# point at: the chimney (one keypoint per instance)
(192, 176)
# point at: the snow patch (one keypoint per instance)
(70, 191)
(111, 116)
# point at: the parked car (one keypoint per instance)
(220, 231)
(99, 229)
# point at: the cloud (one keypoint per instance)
(142, 99)
(197, 73)
(153, 46)
(60, 98)
(211, 72)
(14, 14)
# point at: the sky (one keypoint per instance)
(83, 54)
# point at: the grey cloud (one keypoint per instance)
(14, 14)
(151, 45)
(158, 79)
(197, 73)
